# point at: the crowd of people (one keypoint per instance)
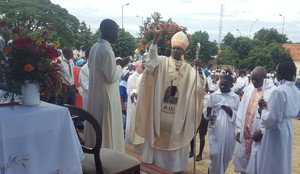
(156, 105)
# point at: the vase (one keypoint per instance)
(30, 94)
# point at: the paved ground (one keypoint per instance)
(201, 166)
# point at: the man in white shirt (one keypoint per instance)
(67, 65)
(241, 82)
(131, 82)
(83, 80)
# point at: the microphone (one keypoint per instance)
(198, 46)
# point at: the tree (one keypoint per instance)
(264, 50)
(208, 49)
(83, 38)
(96, 36)
(39, 16)
(228, 39)
(125, 44)
(268, 56)
(267, 36)
(242, 46)
(228, 55)
(168, 29)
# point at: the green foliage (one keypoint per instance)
(156, 17)
(228, 55)
(242, 46)
(267, 36)
(83, 39)
(208, 49)
(36, 16)
(268, 56)
(96, 36)
(125, 44)
(228, 39)
(264, 50)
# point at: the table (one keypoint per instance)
(38, 140)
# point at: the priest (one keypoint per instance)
(169, 103)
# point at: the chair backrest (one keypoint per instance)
(83, 114)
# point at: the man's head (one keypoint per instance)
(286, 70)
(67, 52)
(242, 73)
(179, 43)
(130, 67)
(109, 30)
(87, 53)
(226, 83)
(257, 76)
(139, 67)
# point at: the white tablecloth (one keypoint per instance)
(38, 140)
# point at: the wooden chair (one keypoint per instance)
(102, 160)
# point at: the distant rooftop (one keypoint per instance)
(294, 50)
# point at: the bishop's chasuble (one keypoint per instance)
(166, 110)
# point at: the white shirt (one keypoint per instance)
(83, 80)
(67, 70)
(241, 83)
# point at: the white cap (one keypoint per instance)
(180, 39)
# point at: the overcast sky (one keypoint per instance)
(196, 15)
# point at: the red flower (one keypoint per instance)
(20, 43)
(28, 67)
(16, 30)
(43, 45)
(2, 23)
(7, 49)
(51, 52)
(28, 40)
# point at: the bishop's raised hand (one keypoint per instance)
(157, 33)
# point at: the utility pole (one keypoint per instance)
(283, 19)
(220, 26)
(122, 12)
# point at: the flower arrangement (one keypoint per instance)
(26, 58)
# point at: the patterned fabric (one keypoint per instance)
(180, 39)
(250, 113)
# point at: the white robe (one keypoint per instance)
(104, 97)
(240, 84)
(276, 145)
(222, 136)
(269, 87)
(240, 160)
(154, 123)
(83, 80)
(130, 121)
